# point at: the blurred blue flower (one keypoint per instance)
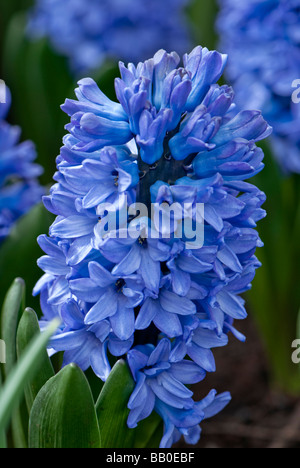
(263, 42)
(110, 29)
(19, 187)
(127, 284)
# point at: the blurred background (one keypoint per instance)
(41, 69)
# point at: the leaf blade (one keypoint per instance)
(112, 408)
(10, 314)
(21, 374)
(29, 328)
(63, 414)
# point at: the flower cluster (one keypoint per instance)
(263, 42)
(110, 29)
(128, 285)
(19, 188)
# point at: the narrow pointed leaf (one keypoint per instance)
(11, 311)
(21, 374)
(149, 432)
(27, 330)
(154, 441)
(63, 414)
(19, 252)
(3, 442)
(112, 408)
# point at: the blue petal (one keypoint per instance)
(147, 314)
(213, 403)
(168, 323)
(209, 339)
(188, 372)
(99, 361)
(160, 353)
(68, 340)
(72, 227)
(203, 357)
(174, 386)
(122, 321)
(79, 250)
(106, 307)
(86, 290)
(150, 271)
(232, 305)
(101, 276)
(174, 304)
(168, 397)
(130, 264)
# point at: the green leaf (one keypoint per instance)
(63, 414)
(21, 374)
(13, 304)
(10, 315)
(20, 251)
(27, 330)
(157, 435)
(149, 432)
(112, 408)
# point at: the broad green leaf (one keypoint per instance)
(148, 434)
(11, 311)
(22, 373)
(20, 251)
(157, 435)
(63, 414)
(112, 408)
(95, 383)
(27, 330)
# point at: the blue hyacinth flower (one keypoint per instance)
(19, 186)
(262, 40)
(117, 273)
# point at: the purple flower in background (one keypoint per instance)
(129, 284)
(263, 42)
(19, 187)
(110, 29)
